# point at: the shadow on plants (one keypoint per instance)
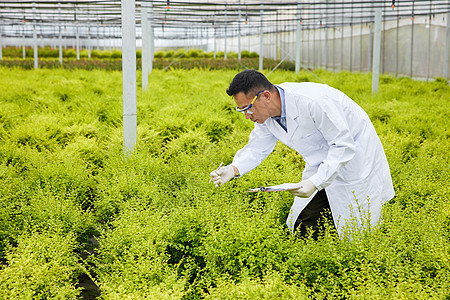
(216, 130)
(185, 253)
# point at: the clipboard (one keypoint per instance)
(276, 188)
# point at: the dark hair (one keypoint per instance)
(248, 81)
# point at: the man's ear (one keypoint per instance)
(267, 96)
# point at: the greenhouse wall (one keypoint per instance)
(350, 47)
(416, 49)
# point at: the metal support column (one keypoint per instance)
(261, 32)
(396, 42)
(412, 43)
(35, 38)
(361, 41)
(429, 45)
(342, 40)
(351, 39)
(298, 43)
(152, 38)
(24, 54)
(60, 35)
(98, 37)
(326, 47)
(145, 49)
(239, 32)
(89, 39)
(376, 51)
(277, 37)
(370, 48)
(129, 76)
(1, 44)
(215, 33)
(447, 47)
(226, 33)
(77, 34)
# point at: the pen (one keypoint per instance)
(216, 171)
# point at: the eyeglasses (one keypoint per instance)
(245, 109)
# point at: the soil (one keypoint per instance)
(89, 289)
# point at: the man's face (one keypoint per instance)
(258, 112)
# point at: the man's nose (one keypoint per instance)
(247, 115)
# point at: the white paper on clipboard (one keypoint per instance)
(276, 188)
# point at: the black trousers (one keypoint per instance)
(315, 215)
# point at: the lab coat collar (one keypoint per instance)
(291, 116)
(291, 111)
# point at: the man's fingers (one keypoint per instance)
(299, 193)
(222, 175)
(219, 171)
(217, 180)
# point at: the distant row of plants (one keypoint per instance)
(198, 53)
(49, 52)
(158, 63)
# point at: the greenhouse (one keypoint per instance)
(121, 122)
(336, 35)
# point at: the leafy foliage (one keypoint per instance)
(164, 232)
(171, 62)
(50, 52)
(42, 266)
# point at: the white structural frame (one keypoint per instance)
(261, 33)
(376, 51)
(447, 46)
(416, 31)
(35, 49)
(298, 46)
(129, 76)
(145, 57)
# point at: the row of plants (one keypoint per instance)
(53, 52)
(50, 52)
(165, 232)
(158, 63)
(199, 53)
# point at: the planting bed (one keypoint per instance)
(164, 232)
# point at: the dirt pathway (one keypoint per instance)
(90, 289)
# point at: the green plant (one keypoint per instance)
(48, 52)
(42, 266)
(116, 54)
(209, 54)
(248, 54)
(70, 53)
(96, 53)
(169, 53)
(194, 53)
(180, 53)
(164, 231)
(159, 54)
(84, 53)
(106, 54)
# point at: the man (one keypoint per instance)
(346, 170)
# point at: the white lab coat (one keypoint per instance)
(340, 147)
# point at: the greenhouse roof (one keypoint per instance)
(182, 15)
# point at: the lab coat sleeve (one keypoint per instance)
(329, 117)
(260, 144)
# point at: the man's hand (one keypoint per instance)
(307, 189)
(222, 175)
